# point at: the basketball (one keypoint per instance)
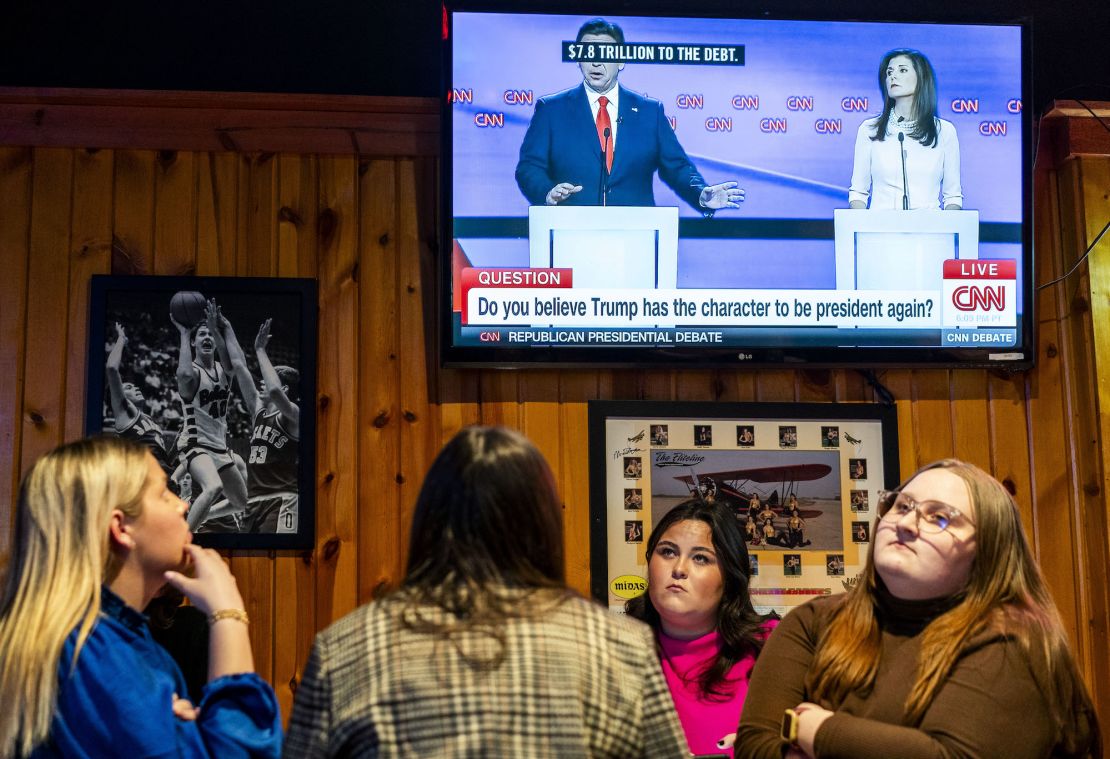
(187, 307)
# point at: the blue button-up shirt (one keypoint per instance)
(117, 700)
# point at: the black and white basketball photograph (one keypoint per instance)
(216, 376)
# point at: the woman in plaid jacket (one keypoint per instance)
(484, 651)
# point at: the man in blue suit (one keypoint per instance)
(601, 144)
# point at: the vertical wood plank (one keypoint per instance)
(499, 396)
(541, 420)
(217, 212)
(90, 253)
(900, 385)
(254, 570)
(1053, 450)
(725, 388)
(851, 386)
(236, 265)
(15, 243)
(294, 623)
(576, 389)
(458, 401)
(695, 384)
(420, 435)
(739, 385)
(337, 433)
(44, 401)
(816, 386)
(175, 213)
(970, 419)
(775, 386)
(254, 574)
(294, 574)
(296, 215)
(1091, 513)
(260, 259)
(379, 535)
(931, 389)
(133, 213)
(656, 385)
(1010, 440)
(540, 415)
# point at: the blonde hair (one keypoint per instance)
(60, 558)
(1005, 594)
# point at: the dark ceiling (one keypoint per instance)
(391, 47)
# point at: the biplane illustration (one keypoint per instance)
(736, 487)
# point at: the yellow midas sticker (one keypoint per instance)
(628, 586)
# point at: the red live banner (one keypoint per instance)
(509, 278)
(969, 268)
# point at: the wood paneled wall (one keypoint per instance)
(183, 201)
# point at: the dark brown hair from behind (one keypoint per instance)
(487, 515)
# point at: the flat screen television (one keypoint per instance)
(885, 170)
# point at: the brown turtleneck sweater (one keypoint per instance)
(990, 706)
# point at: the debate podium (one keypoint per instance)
(900, 250)
(607, 246)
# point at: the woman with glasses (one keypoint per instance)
(949, 644)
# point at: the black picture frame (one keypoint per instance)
(810, 422)
(149, 359)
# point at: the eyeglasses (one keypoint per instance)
(932, 516)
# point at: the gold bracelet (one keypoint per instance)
(237, 614)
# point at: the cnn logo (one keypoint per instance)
(979, 298)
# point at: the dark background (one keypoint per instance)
(391, 47)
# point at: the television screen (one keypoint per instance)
(735, 192)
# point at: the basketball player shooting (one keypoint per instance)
(205, 389)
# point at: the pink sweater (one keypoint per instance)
(704, 722)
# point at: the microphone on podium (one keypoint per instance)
(905, 191)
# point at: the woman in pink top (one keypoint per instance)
(709, 635)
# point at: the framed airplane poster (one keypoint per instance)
(802, 480)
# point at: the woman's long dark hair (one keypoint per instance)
(738, 624)
(925, 124)
(487, 531)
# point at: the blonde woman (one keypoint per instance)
(97, 534)
(949, 644)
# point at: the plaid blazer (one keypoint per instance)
(576, 681)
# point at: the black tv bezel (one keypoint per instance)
(736, 357)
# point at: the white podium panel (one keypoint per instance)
(900, 250)
(607, 247)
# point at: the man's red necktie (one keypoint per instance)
(604, 124)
